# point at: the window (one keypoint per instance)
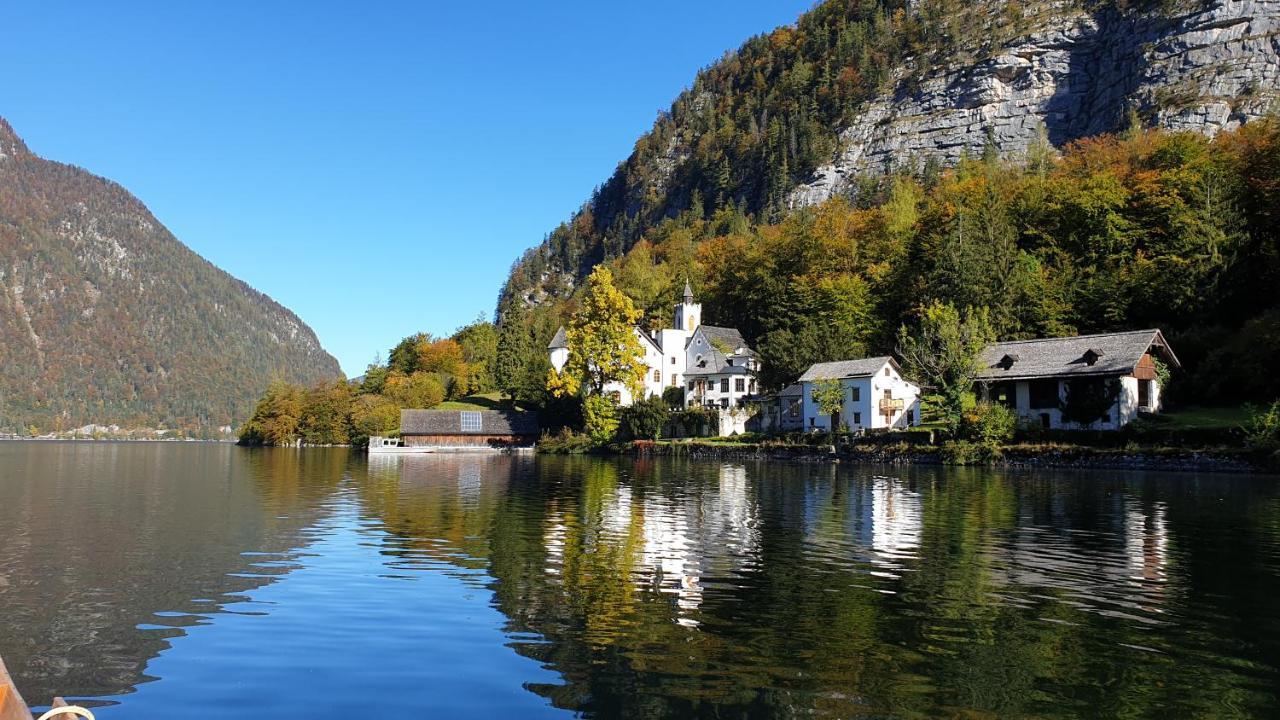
(673, 359)
(657, 376)
(1144, 393)
(857, 418)
(794, 410)
(471, 421)
(886, 371)
(1044, 394)
(617, 397)
(724, 384)
(855, 394)
(690, 384)
(724, 402)
(729, 362)
(740, 384)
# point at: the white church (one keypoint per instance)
(712, 364)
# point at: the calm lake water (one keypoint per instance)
(208, 581)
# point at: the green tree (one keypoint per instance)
(479, 342)
(325, 415)
(420, 390)
(600, 419)
(942, 352)
(373, 415)
(276, 416)
(603, 346)
(828, 394)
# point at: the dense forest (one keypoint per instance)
(759, 121)
(105, 317)
(1145, 228)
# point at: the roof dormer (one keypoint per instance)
(1091, 356)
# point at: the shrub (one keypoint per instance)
(1262, 431)
(565, 442)
(963, 452)
(989, 425)
(643, 420)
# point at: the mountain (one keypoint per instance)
(859, 88)
(106, 317)
(1059, 166)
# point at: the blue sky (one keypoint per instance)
(376, 167)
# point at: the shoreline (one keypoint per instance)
(1060, 457)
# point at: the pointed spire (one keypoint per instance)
(688, 292)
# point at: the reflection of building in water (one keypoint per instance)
(1116, 571)
(668, 543)
(881, 516)
(1146, 542)
(896, 518)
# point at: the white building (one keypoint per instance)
(713, 365)
(876, 396)
(1033, 377)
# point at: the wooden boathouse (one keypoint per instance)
(468, 429)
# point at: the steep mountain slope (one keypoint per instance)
(106, 317)
(858, 87)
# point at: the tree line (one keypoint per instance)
(1145, 228)
(421, 371)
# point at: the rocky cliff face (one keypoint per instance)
(106, 317)
(1074, 73)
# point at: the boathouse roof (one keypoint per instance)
(467, 422)
(1104, 354)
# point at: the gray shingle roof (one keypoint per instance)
(846, 368)
(722, 337)
(449, 422)
(1113, 354)
(559, 340)
(792, 390)
(718, 362)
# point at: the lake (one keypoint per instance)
(209, 581)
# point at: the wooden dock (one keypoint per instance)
(12, 706)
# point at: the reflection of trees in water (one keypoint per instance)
(100, 537)
(663, 587)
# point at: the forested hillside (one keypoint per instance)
(105, 317)
(1008, 197)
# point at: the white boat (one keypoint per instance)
(396, 446)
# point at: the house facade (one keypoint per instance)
(713, 365)
(876, 396)
(1037, 378)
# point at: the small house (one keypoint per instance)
(1118, 372)
(876, 396)
(467, 429)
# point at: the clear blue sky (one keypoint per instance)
(376, 167)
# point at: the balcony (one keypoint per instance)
(891, 404)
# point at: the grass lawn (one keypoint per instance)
(480, 401)
(1201, 418)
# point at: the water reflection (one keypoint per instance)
(646, 588)
(106, 558)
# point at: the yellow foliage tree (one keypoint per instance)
(603, 346)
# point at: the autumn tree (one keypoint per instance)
(603, 347)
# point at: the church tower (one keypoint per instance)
(688, 312)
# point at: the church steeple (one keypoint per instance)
(689, 312)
